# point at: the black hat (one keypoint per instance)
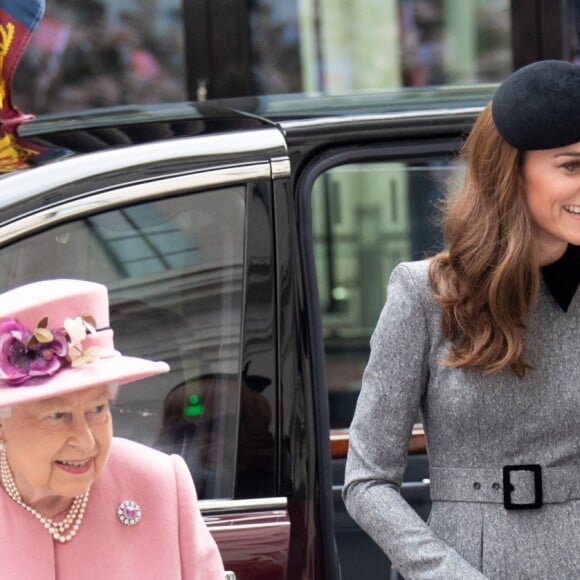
(538, 106)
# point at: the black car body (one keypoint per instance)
(215, 226)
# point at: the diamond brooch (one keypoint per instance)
(129, 512)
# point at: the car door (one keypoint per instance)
(181, 231)
(368, 195)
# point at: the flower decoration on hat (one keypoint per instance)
(25, 354)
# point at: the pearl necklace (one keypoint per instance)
(62, 531)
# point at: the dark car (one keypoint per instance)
(247, 243)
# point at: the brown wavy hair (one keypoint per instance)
(487, 280)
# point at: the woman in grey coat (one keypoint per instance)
(483, 339)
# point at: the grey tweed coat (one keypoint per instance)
(475, 424)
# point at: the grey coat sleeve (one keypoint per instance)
(393, 383)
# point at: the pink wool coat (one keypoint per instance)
(170, 542)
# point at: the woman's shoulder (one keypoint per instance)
(138, 458)
(120, 445)
(410, 288)
(411, 274)
(415, 268)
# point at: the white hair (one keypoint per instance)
(113, 389)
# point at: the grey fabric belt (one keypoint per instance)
(558, 484)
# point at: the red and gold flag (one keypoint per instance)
(18, 20)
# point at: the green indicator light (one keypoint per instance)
(194, 400)
(193, 410)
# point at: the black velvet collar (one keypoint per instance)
(563, 276)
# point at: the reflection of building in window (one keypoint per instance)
(367, 217)
(140, 241)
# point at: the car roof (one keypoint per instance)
(239, 112)
(296, 115)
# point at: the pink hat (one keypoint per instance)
(55, 338)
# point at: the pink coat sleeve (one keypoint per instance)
(200, 557)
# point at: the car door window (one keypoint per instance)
(174, 269)
(366, 218)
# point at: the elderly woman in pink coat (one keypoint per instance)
(76, 502)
